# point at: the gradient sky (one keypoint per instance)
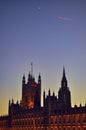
(51, 33)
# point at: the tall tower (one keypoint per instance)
(31, 91)
(64, 95)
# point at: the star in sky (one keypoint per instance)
(38, 8)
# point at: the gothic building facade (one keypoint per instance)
(55, 114)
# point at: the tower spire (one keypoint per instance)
(64, 71)
(64, 80)
(32, 69)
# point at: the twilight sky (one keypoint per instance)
(51, 33)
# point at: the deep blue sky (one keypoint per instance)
(51, 33)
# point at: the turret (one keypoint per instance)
(53, 94)
(43, 97)
(39, 79)
(9, 102)
(23, 80)
(80, 105)
(12, 101)
(39, 87)
(29, 76)
(49, 93)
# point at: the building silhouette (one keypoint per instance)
(55, 114)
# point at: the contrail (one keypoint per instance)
(64, 19)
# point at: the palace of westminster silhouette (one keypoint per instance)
(55, 114)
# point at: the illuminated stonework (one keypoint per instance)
(29, 91)
(56, 113)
